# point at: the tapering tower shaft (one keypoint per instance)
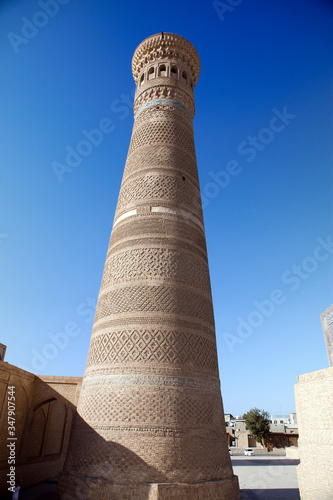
(150, 410)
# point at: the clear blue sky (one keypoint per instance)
(260, 60)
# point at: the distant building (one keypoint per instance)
(281, 426)
(327, 323)
(293, 417)
(284, 423)
(280, 419)
(280, 440)
(238, 436)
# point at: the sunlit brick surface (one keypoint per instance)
(150, 410)
(314, 406)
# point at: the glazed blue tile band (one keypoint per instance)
(163, 101)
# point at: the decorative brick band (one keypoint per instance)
(183, 213)
(145, 406)
(166, 210)
(162, 101)
(124, 216)
(164, 299)
(149, 381)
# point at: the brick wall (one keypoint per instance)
(280, 440)
(44, 410)
(314, 406)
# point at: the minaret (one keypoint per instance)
(150, 416)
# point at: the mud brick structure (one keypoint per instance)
(150, 419)
(314, 406)
(43, 408)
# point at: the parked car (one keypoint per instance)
(248, 452)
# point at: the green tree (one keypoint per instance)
(257, 422)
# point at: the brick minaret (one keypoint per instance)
(150, 417)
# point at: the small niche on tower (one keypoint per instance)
(174, 71)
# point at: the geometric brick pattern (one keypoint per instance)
(137, 406)
(162, 229)
(157, 187)
(163, 132)
(166, 299)
(153, 346)
(165, 112)
(169, 46)
(156, 263)
(161, 156)
(150, 411)
(112, 443)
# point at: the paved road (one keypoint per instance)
(266, 477)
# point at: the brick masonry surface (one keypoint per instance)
(150, 409)
(44, 410)
(314, 406)
(97, 490)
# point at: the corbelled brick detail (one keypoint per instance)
(150, 419)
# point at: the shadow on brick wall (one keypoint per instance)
(44, 410)
(97, 468)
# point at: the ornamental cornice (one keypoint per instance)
(165, 46)
(164, 92)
